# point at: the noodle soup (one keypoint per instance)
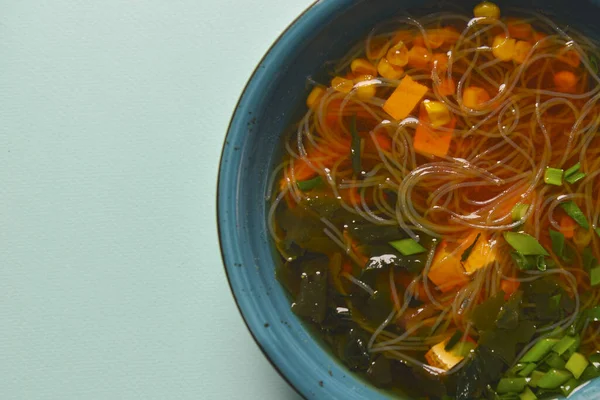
(437, 210)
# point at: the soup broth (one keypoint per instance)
(437, 210)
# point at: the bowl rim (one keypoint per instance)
(253, 75)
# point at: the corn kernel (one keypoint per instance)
(377, 48)
(486, 10)
(389, 71)
(363, 67)
(398, 54)
(418, 57)
(439, 61)
(503, 48)
(522, 49)
(437, 112)
(314, 97)
(342, 85)
(365, 88)
(474, 97)
(451, 35)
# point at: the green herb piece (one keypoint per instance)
(573, 170)
(553, 379)
(553, 176)
(309, 184)
(521, 261)
(535, 378)
(408, 247)
(569, 386)
(590, 373)
(595, 276)
(539, 350)
(575, 212)
(453, 341)
(527, 394)
(355, 147)
(529, 368)
(555, 361)
(519, 211)
(594, 63)
(575, 177)
(564, 344)
(589, 261)
(558, 242)
(511, 385)
(525, 244)
(593, 314)
(597, 231)
(469, 249)
(577, 364)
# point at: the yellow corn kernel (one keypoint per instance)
(342, 85)
(314, 97)
(365, 87)
(503, 48)
(437, 112)
(398, 54)
(389, 71)
(360, 66)
(377, 48)
(486, 10)
(522, 49)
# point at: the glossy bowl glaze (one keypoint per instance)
(274, 98)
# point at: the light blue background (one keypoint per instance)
(112, 117)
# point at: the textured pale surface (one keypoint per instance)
(112, 116)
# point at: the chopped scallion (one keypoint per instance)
(408, 247)
(525, 244)
(593, 314)
(309, 184)
(553, 176)
(553, 379)
(555, 361)
(577, 364)
(558, 242)
(564, 344)
(527, 370)
(575, 212)
(595, 276)
(573, 170)
(589, 261)
(575, 177)
(535, 378)
(519, 211)
(511, 385)
(539, 350)
(527, 394)
(568, 387)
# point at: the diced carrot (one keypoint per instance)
(418, 57)
(435, 38)
(509, 287)
(451, 35)
(519, 29)
(567, 226)
(570, 57)
(419, 41)
(347, 267)
(384, 141)
(446, 270)
(404, 99)
(447, 87)
(440, 62)
(483, 253)
(565, 81)
(404, 36)
(474, 97)
(431, 141)
(537, 36)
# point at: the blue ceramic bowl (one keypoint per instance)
(273, 98)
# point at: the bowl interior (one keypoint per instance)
(273, 99)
